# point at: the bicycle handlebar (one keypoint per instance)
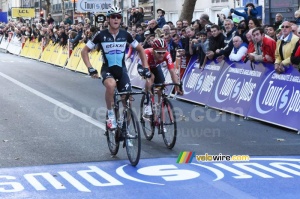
(163, 85)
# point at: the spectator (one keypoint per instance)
(294, 28)
(42, 21)
(250, 12)
(152, 26)
(204, 20)
(140, 31)
(239, 49)
(50, 20)
(185, 23)
(166, 29)
(67, 19)
(215, 42)
(139, 16)
(271, 32)
(161, 17)
(132, 17)
(278, 21)
(179, 27)
(230, 32)
(285, 46)
(176, 44)
(264, 47)
(170, 23)
(63, 37)
(75, 40)
(297, 17)
(250, 42)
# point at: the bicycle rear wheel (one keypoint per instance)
(133, 137)
(168, 123)
(146, 122)
(112, 140)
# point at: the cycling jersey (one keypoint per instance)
(167, 60)
(113, 49)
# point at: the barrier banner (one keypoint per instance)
(131, 64)
(235, 88)
(32, 49)
(15, 45)
(25, 48)
(55, 54)
(278, 98)
(81, 65)
(4, 43)
(97, 61)
(75, 57)
(199, 83)
(47, 52)
(37, 50)
(63, 56)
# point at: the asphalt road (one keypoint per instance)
(50, 115)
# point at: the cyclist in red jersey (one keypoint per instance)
(158, 57)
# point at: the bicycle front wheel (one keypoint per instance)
(133, 137)
(168, 123)
(112, 140)
(146, 122)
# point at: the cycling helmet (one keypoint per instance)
(159, 44)
(114, 10)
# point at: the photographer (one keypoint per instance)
(250, 12)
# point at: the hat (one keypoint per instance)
(159, 9)
(250, 4)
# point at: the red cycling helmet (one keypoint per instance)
(159, 45)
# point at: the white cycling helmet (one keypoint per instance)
(114, 10)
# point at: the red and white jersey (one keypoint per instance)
(166, 62)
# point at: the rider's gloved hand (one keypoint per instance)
(147, 73)
(92, 71)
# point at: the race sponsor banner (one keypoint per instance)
(277, 100)
(4, 43)
(55, 54)
(198, 83)
(47, 52)
(63, 55)
(75, 57)
(132, 63)
(97, 61)
(15, 45)
(236, 86)
(25, 48)
(81, 66)
(94, 6)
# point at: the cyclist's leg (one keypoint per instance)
(110, 84)
(159, 79)
(124, 84)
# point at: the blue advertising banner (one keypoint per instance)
(198, 83)
(235, 88)
(278, 98)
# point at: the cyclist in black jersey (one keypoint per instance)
(113, 45)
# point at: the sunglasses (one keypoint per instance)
(113, 16)
(160, 53)
(285, 26)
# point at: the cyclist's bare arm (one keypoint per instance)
(175, 79)
(85, 57)
(142, 55)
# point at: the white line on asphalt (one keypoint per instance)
(57, 103)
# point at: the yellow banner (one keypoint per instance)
(75, 57)
(22, 12)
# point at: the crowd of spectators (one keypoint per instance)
(244, 40)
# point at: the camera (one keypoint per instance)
(246, 59)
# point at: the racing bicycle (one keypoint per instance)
(128, 130)
(163, 118)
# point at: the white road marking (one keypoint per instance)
(57, 103)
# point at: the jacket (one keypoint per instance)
(268, 47)
(287, 49)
